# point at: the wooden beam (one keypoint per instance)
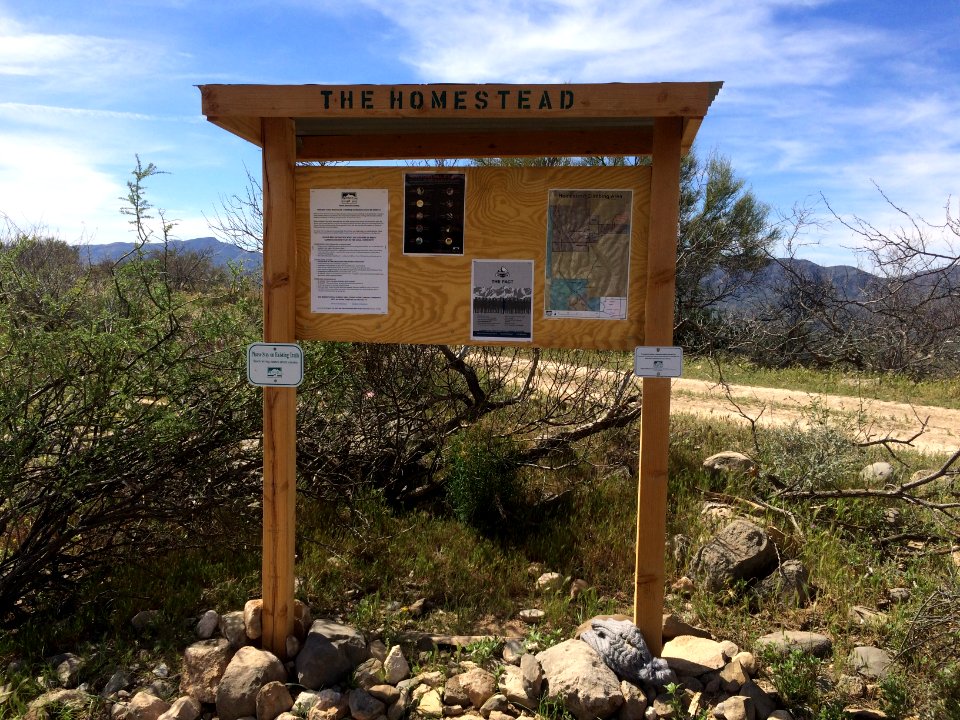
(460, 101)
(279, 404)
(655, 420)
(527, 143)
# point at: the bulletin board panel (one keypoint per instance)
(429, 298)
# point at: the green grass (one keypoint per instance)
(895, 388)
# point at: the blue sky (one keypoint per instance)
(831, 97)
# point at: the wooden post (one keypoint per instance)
(655, 419)
(279, 404)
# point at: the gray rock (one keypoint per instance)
(204, 663)
(737, 707)
(740, 552)
(329, 653)
(573, 671)
(395, 666)
(763, 704)
(898, 595)
(67, 667)
(673, 626)
(368, 673)
(377, 649)
(117, 682)
(233, 629)
(532, 615)
(145, 619)
(387, 694)
(513, 650)
(495, 703)
(305, 702)
(208, 624)
(866, 616)
(785, 641)
(790, 583)
(550, 582)
(871, 662)
(248, 671)
(513, 687)
(690, 655)
(363, 706)
(532, 674)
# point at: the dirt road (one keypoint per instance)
(782, 407)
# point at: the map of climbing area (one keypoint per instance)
(588, 253)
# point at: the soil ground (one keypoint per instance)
(941, 426)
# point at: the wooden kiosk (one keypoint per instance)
(428, 295)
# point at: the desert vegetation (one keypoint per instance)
(432, 479)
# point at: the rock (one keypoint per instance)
(204, 663)
(292, 646)
(117, 682)
(763, 704)
(498, 715)
(674, 626)
(732, 677)
(302, 619)
(634, 702)
(248, 671)
(790, 583)
(532, 615)
(183, 708)
(74, 701)
(208, 624)
(161, 671)
(305, 701)
(549, 582)
(870, 662)
(730, 462)
(273, 699)
(377, 649)
(784, 641)
(395, 666)
(748, 662)
(737, 707)
(858, 713)
(898, 595)
(684, 585)
(588, 624)
(479, 686)
(145, 619)
(575, 673)
(780, 715)
(532, 674)
(330, 652)
(866, 616)
(877, 474)
(253, 619)
(495, 703)
(578, 587)
(852, 686)
(513, 650)
(368, 673)
(454, 693)
(144, 706)
(740, 552)
(690, 655)
(729, 649)
(363, 706)
(513, 687)
(66, 667)
(429, 705)
(233, 629)
(662, 706)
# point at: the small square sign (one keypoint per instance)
(656, 362)
(274, 364)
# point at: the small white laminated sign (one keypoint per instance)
(274, 364)
(658, 362)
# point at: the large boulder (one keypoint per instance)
(329, 653)
(248, 671)
(575, 673)
(742, 551)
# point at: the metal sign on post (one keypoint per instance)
(654, 362)
(274, 364)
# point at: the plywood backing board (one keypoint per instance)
(506, 219)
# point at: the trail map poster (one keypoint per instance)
(588, 254)
(502, 300)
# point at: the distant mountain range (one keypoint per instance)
(220, 253)
(848, 280)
